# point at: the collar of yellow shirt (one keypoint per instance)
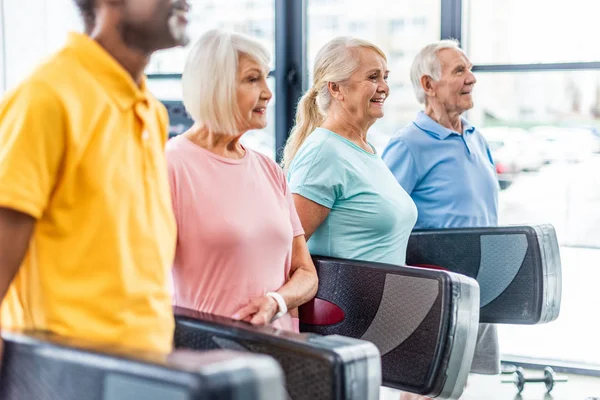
(118, 82)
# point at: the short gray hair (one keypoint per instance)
(428, 63)
(209, 78)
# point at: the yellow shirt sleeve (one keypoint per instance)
(32, 143)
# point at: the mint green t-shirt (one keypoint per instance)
(371, 215)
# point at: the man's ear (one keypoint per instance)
(335, 90)
(428, 85)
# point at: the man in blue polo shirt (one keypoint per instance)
(444, 163)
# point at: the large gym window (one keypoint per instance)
(544, 135)
(537, 101)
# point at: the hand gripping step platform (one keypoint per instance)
(518, 268)
(42, 366)
(315, 367)
(424, 322)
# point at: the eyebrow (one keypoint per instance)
(253, 69)
(467, 66)
(387, 71)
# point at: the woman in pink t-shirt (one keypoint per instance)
(241, 250)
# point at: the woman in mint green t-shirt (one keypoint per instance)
(350, 204)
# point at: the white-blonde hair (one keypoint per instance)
(335, 62)
(428, 63)
(209, 78)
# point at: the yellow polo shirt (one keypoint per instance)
(81, 150)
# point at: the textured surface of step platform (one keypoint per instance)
(315, 366)
(424, 322)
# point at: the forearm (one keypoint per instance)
(300, 288)
(15, 232)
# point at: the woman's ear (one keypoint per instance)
(335, 90)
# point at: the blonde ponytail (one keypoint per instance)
(335, 62)
(308, 118)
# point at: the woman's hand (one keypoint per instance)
(260, 311)
(300, 288)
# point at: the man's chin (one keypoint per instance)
(467, 105)
(182, 39)
(168, 41)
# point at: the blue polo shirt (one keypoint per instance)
(450, 177)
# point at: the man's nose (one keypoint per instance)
(471, 79)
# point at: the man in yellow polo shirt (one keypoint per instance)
(87, 234)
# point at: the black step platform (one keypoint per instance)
(424, 322)
(41, 366)
(518, 268)
(315, 367)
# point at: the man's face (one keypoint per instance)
(453, 90)
(152, 25)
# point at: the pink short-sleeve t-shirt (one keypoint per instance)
(236, 223)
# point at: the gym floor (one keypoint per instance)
(485, 387)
